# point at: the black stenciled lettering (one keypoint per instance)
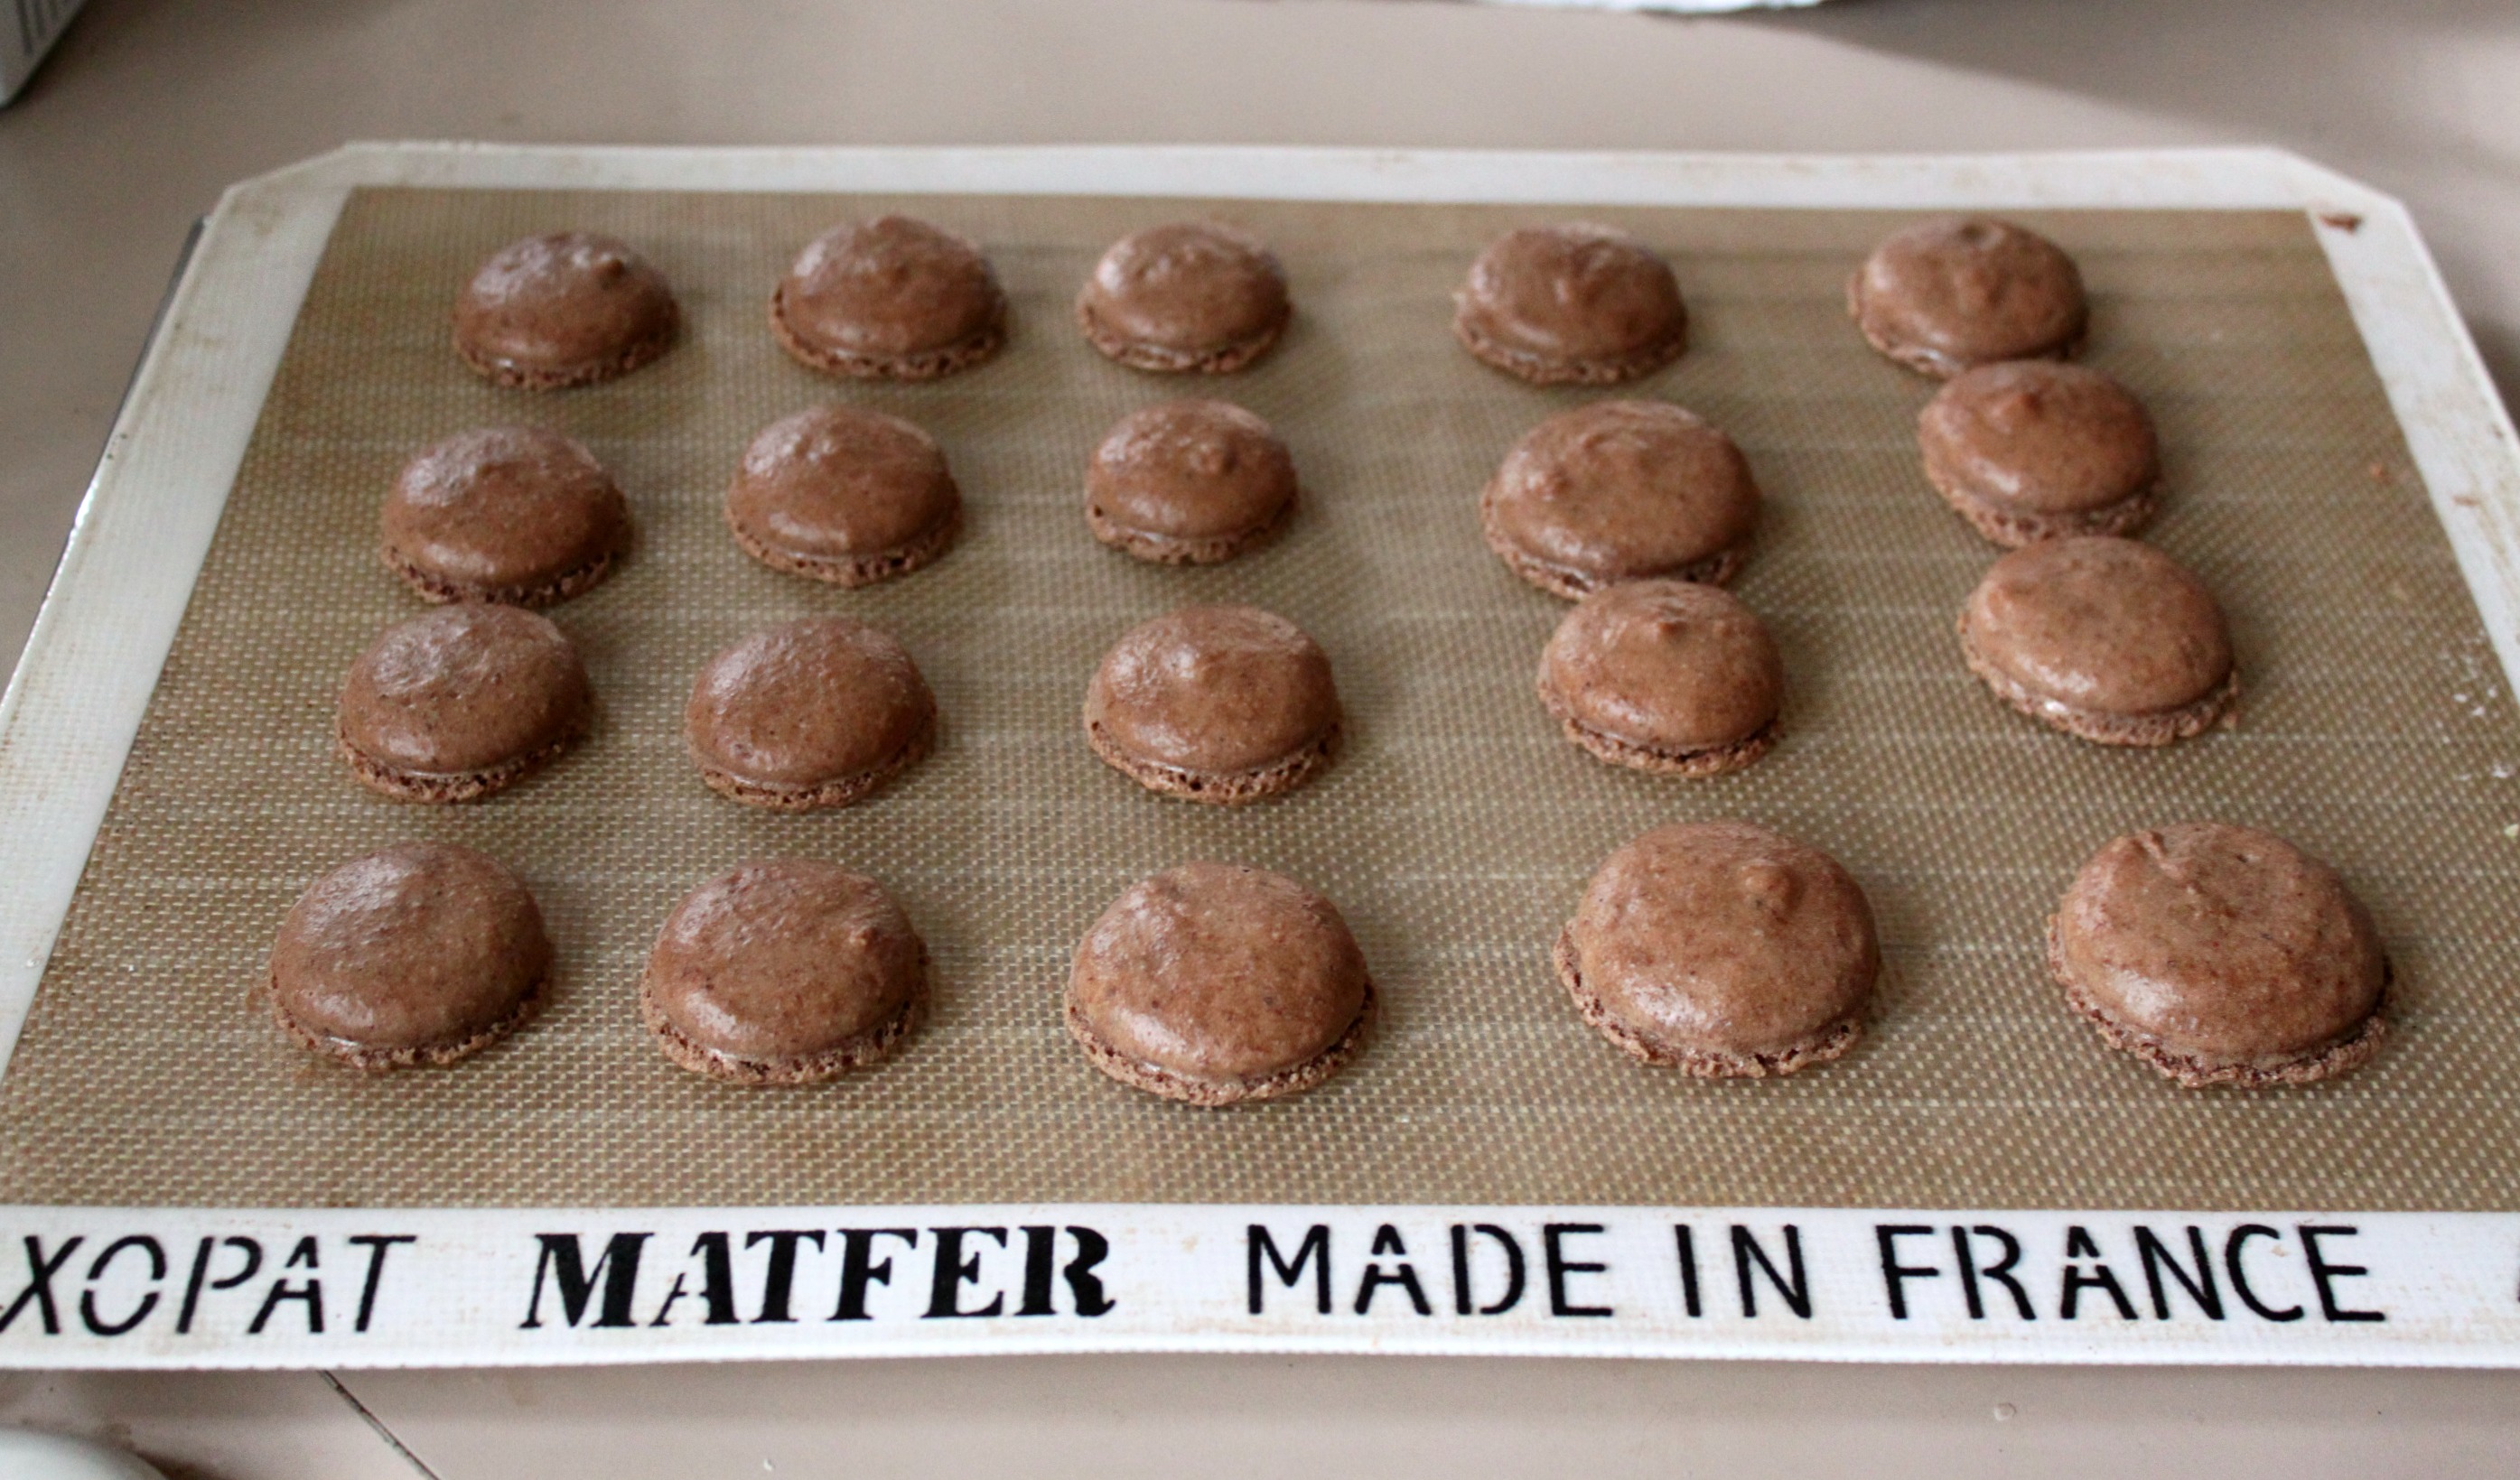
(952, 1271)
(1894, 1274)
(378, 1247)
(1999, 1272)
(1685, 1239)
(39, 1283)
(2323, 1274)
(858, 1267)
(2079, 1244)
(562, 1261)
(716, 1254)
(2199, 1284)
(309, 1294)
(1313, 1253)
(1041, 1261)
(1388, 1244)
(156, 1253)
(1466, 1300)
(674, 1295)
(1553, 1260)
(2235, 1247)
(779, 1280)
(1084, 1286)
(192, 1283)
(1791, 1287)
(251, 1248)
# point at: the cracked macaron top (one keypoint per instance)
(563, 310)
(1185, 296)
(844, 494)
(1619, 490)
(1953, 291)
(2222, 954)
(1188, 482)
(1726, 948)
(460, 701)
(1213, 983)
(519, 514)
(782, 971)
(1663, 675)
(2027, 450)
(1214, 703)
(1571, 303)
(2101, 637)
(892, 298)
(808, 714)
(420, 953)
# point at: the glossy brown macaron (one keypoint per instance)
(1186, 295)
(784, 971)
(2103, 638)
(517, 515)
(1191, 483)
(2220, 954)
(808, 714)
(1672, 677)
(1947, 294)
(1620, 490)
(892, 298)
(461, 702)
(568, 308)
(1212, 984)
(844, 495)
(1723, 949)
(418, 953)
(2031, 450)
(1571, 304)
(1221, 704)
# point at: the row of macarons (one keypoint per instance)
(1573, 303)
(2218, 955)
(1231, 703)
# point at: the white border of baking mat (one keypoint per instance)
(191, 1288)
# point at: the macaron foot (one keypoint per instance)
(1831, 1042)
(2194, 1072)
(1212, 1094)
(1219, 789)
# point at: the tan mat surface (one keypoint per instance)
(1456, 830)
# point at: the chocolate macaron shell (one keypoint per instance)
(461, 702)
(1724, 948)
(2103, 638)
(1674, 677)
(894, 299)
(784, 971)
(844, 495)
(418, 954)
(2220, 954)
(1185, 297)
(1620, 490)
(1214, 983)
(517, 515)
(809, 714)
(1947, 294)
(1574, 303)
(1221, 704)
(568, 308)
(2030, 450)
(1190, 482)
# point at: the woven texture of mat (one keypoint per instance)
(1456, 830)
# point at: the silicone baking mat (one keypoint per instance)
(1456, 830)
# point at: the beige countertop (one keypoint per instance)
(148, 107)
